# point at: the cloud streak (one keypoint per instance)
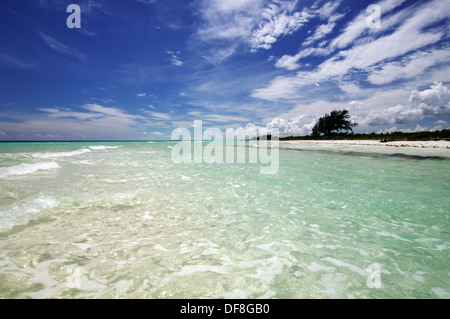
(95, 121)
(61, 48)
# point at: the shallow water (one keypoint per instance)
(122, 220)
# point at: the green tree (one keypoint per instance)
(334, 122)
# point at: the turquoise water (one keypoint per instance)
(122, 220)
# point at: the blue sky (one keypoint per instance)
(139, 69)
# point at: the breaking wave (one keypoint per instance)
(25, 169)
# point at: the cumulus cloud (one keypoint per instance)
(434, 102)
(280, 127)
(355, 105)
(399, 114)
(297, 126)
(418, 128)
(429, 103)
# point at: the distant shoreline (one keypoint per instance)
(437, 144)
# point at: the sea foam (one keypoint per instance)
(22, 212)
(102, 147)
(61, 154)
(25, 169)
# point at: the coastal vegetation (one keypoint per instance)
(393, 136)
(338, 126)
(335, 122)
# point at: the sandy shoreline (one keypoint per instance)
(441, 144)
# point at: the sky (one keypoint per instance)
(141, 69)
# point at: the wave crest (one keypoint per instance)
(60, 154)
(25, 169)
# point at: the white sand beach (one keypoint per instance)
(438, 144)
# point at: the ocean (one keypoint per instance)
(124, 220)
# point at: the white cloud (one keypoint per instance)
(218, 55)
(174, 58)
(177, 62)
(350, 88)
(367, 56)
(277, 21)
(96, 122)
(67, 113)
(280, 87)
(434, 102)
(290, 62)
(418, 128)
(355, 106)
(358, 26)
(399, 114)
(388, 130)
(111, 112)
(327, 11)
(297, 126)
(158, 115)
(256, 23)
(408, 38)
(429, 103)
(320, 32)
(409, 67)
(221, 118)
(228, 20)
(98, 114)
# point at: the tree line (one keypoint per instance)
(337, 125)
